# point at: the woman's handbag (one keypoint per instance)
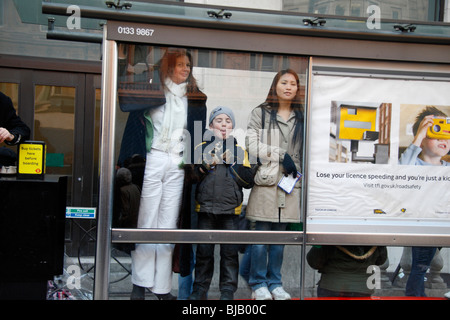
(267, 174)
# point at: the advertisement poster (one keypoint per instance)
(360, 127)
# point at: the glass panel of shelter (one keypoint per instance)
(236, 80)
(241, 81)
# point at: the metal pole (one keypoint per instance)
(305, 177)
(109, 94)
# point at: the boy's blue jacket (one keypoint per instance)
(411, 156)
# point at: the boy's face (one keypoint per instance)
(435, 147)
(221, 126)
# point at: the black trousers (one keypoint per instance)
(229, 258)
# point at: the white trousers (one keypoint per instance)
(159, 208)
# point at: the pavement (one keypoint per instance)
(77, 281)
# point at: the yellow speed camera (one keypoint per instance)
(355, 122)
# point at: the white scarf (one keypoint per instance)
(174, 119)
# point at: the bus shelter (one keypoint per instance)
(361, 91)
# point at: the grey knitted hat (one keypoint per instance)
(219, 110)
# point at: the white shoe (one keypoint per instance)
(279, 294)
(261, 294)
(447, 295)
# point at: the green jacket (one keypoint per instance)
(344, 268)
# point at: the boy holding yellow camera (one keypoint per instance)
(424, 151)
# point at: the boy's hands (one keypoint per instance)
(421, 134)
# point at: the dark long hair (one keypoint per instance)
(273, 104)
(167, 64)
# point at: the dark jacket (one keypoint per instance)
(344, 268)
(11, 121)
(220, 188)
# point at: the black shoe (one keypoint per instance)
(226, 295)
(138, 293)
(165, 296)
(197, 295)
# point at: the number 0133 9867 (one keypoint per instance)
(145, 32)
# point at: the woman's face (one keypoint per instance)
(286, 87)
(182, 70)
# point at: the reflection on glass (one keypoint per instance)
(212, 144)
(96, 144)
(54, 124)
(240, 81)
(422, 10)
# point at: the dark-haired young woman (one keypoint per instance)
(274, 135)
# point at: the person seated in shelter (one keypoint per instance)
(343, 269)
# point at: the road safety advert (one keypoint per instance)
(379, 148)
